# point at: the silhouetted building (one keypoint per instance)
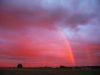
(19, 66)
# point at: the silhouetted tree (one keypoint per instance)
(62, 67)
(19, 66)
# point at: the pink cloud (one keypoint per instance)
(29, 29)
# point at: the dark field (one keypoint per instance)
(48, 71)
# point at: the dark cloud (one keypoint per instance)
(23, 17)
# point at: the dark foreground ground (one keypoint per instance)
(48, 71)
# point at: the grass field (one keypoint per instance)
(48, 71)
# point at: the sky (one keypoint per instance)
(39, 33)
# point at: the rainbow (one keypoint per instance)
(68, 49)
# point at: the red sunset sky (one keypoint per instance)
(49, 33)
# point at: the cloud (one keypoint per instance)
(31, 28)
(41, 13)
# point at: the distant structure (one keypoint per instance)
(19, 66)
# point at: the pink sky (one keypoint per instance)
(49, 32)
